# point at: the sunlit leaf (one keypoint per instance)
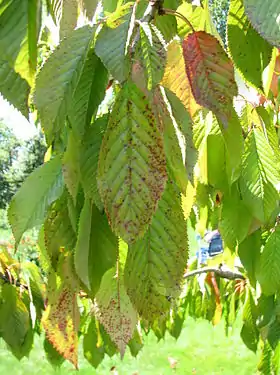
(59, 78)
(252, 53)
(155, 264)
(29, 206)
(175, 77)
(210, 73)
(96, 249)
(61, 318)
(264, 16)
(131, 173)
(14, 88)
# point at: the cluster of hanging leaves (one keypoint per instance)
(152, 129)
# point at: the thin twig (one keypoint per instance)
(7, 280)
(224, 273)
(164, 11)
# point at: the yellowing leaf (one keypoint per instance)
(114, 309)
(175, 77)
(61, 318)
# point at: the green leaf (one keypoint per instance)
(71, 165)
(210, 73)
(152, 53)
(216, 162)
(199, 17)
(136, 343)
(58, 230)
(273, 336)
(259, 177)
(114, 309)
(14, 321)
(111, 42)
(110, 5)
(59, 78)
(69, 17)
(234, 145)
(20, 24)
(14, 88)
(96, 249)
(266, 311)
(91, 144)
(131, 175)
(61, 317)
(90, 7)
(88, 94)
(265, 363)
(185, 124)
(235, 218)
(194, 14)
(252, 53)
(264, 16)
(29, 205)
(167, 25)
(269, 272)
(174, 143)
(93, 349)
(52, 355)
(249, 332)
(155, 264)
(249, 254)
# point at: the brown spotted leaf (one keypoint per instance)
(155, 264)
(132, 167)
(114, 309)
(175, 77)
(210, 73)
(61, 318)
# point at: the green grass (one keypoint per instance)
(200, 350)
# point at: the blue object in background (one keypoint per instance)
(216, 245)
(209, 246)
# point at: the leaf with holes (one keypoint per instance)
(152, 53)
(174, 77)
(131, 173)
(29, 205)
(96, 248)
(252, 53)
(259, 177)
(114, 309)
(59, 78)
(210, 73)
(265, 18)
(61, 317)
(155, 264)
(269, 273)
(14, 88)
